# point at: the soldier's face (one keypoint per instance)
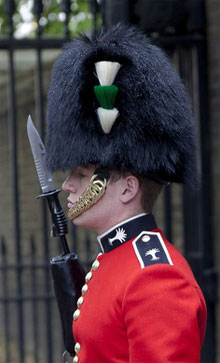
(100, 216)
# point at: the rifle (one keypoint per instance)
(68, 275)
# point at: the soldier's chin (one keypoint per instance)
(76, 221)
(82, 220)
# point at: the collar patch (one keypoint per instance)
(150, 249)
(125, 231)
(120, 236)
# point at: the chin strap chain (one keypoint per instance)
(90, 196)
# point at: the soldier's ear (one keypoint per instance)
(130, 188)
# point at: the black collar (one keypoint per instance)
(126, 230)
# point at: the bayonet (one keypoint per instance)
(59, 221)
(39, 155)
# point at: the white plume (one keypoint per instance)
(106, 72)
(107, 118)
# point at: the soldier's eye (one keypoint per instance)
(82, 175)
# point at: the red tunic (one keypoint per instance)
(136, 313)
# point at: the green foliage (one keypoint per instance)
(52, 20)
(2, 19)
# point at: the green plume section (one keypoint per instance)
(106, 96)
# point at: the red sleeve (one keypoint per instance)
(163, 314)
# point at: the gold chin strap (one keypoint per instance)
(90, 196)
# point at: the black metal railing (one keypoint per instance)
(19, 300)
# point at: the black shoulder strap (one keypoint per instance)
(150, 249)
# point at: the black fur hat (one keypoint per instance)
(153, 132)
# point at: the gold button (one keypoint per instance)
(79, 301)
(84, 289)
(76, 314)
(88, 276)
(145, 238)
(77, 348)
(95, 265)
(75, 359)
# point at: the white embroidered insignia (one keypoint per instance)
(152, 253)
(120, 236)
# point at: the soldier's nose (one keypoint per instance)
(65, 186)
(68, 186)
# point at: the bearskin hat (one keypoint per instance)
(138, 118)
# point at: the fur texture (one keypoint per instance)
(154, 132)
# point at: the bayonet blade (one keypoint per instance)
(39, 155)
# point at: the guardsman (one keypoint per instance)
(120, 121)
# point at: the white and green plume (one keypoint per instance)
(106, 93)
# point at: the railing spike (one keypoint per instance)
(37, 10)
(10, 9)
(65, 7)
